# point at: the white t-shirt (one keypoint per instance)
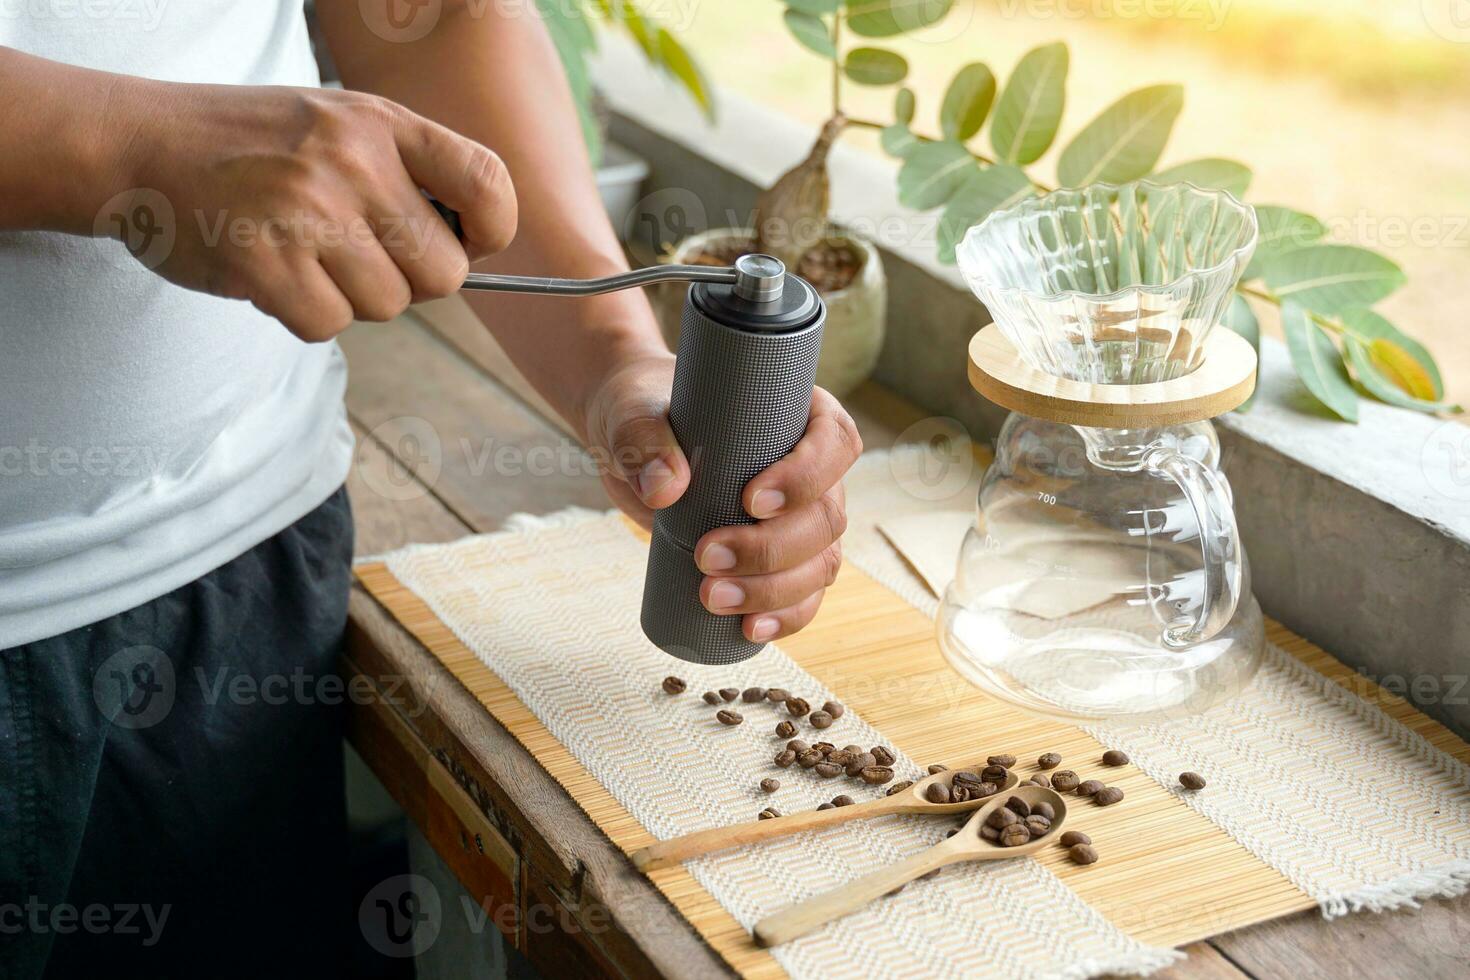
(148, 434)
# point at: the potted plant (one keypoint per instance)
(1340, 347)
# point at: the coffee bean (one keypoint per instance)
(1019, 806)
(843, 800)
(777, 695)
(938, 768)
(1004, 761)
(1088, 787)
(729, 694)
(854, 749)
(1074, 837)
(825, 806)
(784, 758)
(959, 793)
(1107, 796)
(785, 729)
(968, 778)
(1064, 780)
(829, 770)
(987, 789)
(768, 813)
(857, 765)
(834, 708)
(1082, 853)
(1037, 825)
(824, 747)
(752, 695)
(728, 716)
(809, 758)
(937, 793)
(710, 697)
(674, 685)
(1191, 780)
(989, 832)
(994, 774)
(797, 745)
(1040, 780)
(1015, 835)
(798, 707)
(839, 757)
(1043, 809)
(1001, 818)
(770, 785)
(1115, 757)
(1048, 760)
(899, 786)
(820, 719)
(876, 775)
(883, 755)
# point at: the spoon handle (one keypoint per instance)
(669, 852)
(797, 920)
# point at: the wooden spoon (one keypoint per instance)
(797, 920)
(912, 800)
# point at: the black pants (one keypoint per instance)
(171, 798)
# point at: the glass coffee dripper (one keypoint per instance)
(1104, 577)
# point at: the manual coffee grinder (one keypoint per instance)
(747, 362)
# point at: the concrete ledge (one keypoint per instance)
(1359, 536)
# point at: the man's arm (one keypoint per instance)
(325, 184)
(490, 72)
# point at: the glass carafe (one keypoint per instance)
(1104, 578)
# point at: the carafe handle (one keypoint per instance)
(1224, 565)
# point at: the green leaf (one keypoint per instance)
(903, 106)
(679, 64)
(1240, 318)
(1225, 175)
(814, 7)
(1332, 278)
(885, 18)
(967, 102)
(810, 32)
(932, 173)
(1318, 362)
(1387, 376)
(568, 33)
(640, 30)
(1124, 142)
(898, 140)
(1030, 108)
(875, 66)
(1282, 230)
(983, 191)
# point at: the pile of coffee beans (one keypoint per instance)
(796, 707)
(1017, 822)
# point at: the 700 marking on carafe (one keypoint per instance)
(1046, 498)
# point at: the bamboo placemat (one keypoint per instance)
(1171, 876)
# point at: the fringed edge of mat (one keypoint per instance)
(1447, 881)
(1140, 964)
(518, 523)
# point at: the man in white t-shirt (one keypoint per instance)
(186, 221)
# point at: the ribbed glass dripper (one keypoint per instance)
(1108, 284)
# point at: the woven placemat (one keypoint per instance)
(552, 608)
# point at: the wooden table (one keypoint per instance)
(548, 878)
